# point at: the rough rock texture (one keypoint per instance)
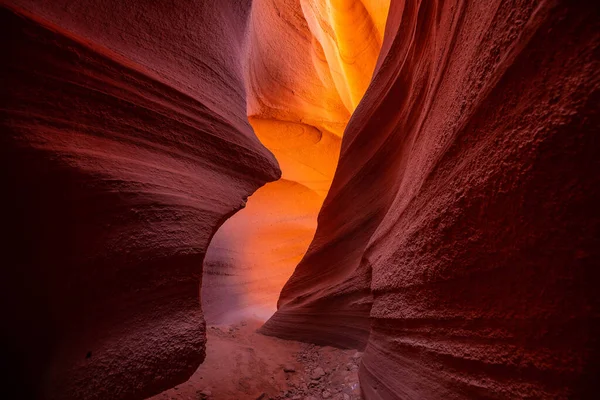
(124, 145)
(242, 364)
(457, 242)
(464, 207)
(308, 64)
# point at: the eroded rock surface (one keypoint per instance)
(125, 144)
(456, 242)
(309, 63)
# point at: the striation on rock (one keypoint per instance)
(458, 240)
(455, 242)
(125, 144)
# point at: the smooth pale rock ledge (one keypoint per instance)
(457, 244)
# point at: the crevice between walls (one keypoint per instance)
(308, 64)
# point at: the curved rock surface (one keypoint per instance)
(125, 144)
(458, 240)
(457, 237)
(308, 64)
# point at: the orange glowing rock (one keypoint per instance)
(309, 63)
(457, 238)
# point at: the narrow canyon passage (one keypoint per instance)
(301, 93)
(308, 65)
(300, 199)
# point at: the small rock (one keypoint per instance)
(289, 368)
(357, 356)
(317, 373)
(205, 394)
(326, 394)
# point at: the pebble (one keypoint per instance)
(205, 394)
(289, 368)
(317, 373)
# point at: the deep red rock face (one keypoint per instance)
(125, 144)
(456, 244)
(459, 238)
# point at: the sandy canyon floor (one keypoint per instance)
(243, 364)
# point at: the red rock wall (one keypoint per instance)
(124, 145)
(457, 243)
(459, 238)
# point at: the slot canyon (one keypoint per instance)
(300, 199)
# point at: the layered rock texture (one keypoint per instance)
(125, 144)
(308, 64)
(459, 238)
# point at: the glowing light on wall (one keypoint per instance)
(309, 64)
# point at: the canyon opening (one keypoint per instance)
(300, 94)
(300, 199)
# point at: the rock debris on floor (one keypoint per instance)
(242, 364)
